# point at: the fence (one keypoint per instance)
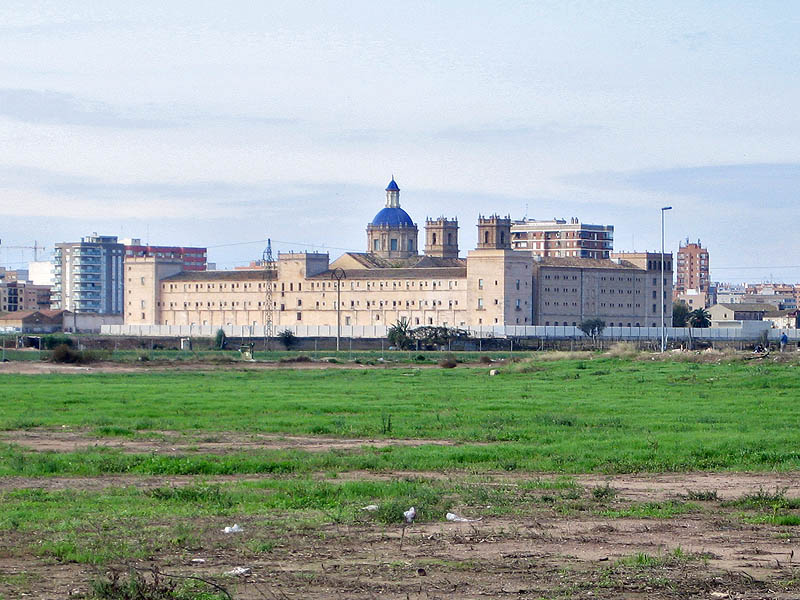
(550, 332)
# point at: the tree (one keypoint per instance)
(400, 335)
(220, 340)
(431, 336)
(592, 328)
(700, 318)
(680, 314)
(287, 338)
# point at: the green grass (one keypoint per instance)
(603, 415)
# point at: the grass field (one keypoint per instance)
(584, 473)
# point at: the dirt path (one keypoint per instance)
(175, 442)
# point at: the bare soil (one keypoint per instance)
(48, 368)
(543, 552)
(174, 442)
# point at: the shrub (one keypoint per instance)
(296, 359)
(288, 339)
(220, 340)
(486, 360)
(448, 362)
(64, 354)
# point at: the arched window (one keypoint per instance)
(485, 237)
(434, 239)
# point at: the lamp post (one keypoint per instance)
(338, 274)
(661, 300)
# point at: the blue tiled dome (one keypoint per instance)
(393, 217)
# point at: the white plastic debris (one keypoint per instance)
(234, 529)
(410, 514)
(198, 561)
(239, 571)
(493, 372)
(455, 518)
(370, 507)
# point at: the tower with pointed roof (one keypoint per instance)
(392, 233)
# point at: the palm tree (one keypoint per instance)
(700, 318)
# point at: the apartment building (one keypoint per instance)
(692, 269)
(192, 258)
(560, 238)
(88, 275)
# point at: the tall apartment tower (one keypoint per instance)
(692, 271)
(89, 276)
(561, 238)
(441, 238)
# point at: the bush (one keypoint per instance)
(66, 355)
(220, 340)
(486, 360)
(288, 339)
(448, 362)
(296, 359)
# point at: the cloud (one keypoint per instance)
(33, 106)
(545, 132)
(761, 186)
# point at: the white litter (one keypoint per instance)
(198, 561)
(234, 529)
(410, 514)
(493, 372)
(454, 517)
(239, 571)
(370, 507)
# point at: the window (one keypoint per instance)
(393, 244)
(376, 244)
(480, 284)
(299, 316)
(480, 303)
(142, 280)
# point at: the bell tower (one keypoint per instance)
(494, 233)
(441, 238)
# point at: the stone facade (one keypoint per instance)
(493, 285)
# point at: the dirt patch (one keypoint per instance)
(171, 442)
(47, 368)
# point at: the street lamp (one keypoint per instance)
(338, 274)
(663, 330)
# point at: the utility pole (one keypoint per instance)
(269, 276)
(661, 299)
(338, 274)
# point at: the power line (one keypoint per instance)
(301, 244)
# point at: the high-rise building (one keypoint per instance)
(692, 269)
(558, 237)
(89, 276)
(193, 259)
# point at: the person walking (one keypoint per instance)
(784, 340)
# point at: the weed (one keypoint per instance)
(134, 585)
(604, 492)
(702, 495)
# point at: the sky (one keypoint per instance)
(224, 124)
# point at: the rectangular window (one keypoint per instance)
(393, 244)
(299, 316)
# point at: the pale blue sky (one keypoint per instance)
(206, 123)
